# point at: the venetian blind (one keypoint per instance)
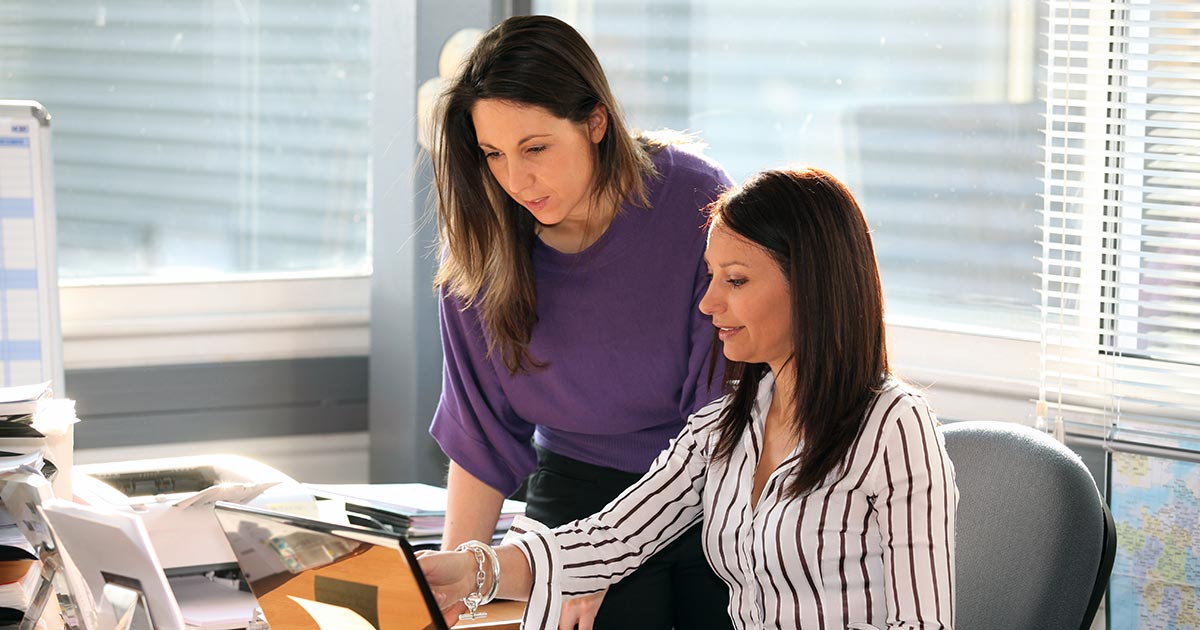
(1121, 221)
(200, 137)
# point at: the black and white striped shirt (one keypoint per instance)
(870, 548)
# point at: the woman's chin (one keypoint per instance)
(739, 357)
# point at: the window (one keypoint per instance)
(205, 138)
(212, 168)
(925, 108)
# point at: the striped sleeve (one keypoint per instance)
(540, 547)
(915, 505)
(590, 554)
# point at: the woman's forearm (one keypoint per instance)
(516, 580)
(472, 510)
(451, 574)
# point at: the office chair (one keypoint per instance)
(1035, 540)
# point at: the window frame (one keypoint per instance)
(144, 322)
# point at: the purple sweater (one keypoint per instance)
(618, 324)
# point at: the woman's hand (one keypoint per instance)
(580, 612)
(451, 577)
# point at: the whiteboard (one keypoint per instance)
(30, 329)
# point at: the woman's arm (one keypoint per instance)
(916, 514)
(485, 439)
(451, 574)
(472, 509)
(588, 555)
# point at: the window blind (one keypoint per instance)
(1120, 279)
(200, 137)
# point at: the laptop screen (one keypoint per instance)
(312, 575)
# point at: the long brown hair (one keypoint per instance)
(485, 236)
(812, 227)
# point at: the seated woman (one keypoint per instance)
(825, 491)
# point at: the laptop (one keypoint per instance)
(313, 575)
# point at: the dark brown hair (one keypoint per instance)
(485, 236)
(810, 224)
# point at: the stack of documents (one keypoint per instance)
(423, 505)
(19, 435)
(18, 404)
(19, 581)
(20, 570)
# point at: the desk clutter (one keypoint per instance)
(418, 510)
(35, 455)
(139, 546)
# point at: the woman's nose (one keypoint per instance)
(519, 176)
(710, 303)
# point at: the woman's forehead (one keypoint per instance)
(502, 118)
(727, 245)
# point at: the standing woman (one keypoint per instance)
(571, 273)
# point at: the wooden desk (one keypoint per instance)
(504, 615)
(398, 600)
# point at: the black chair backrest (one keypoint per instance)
(1035, 541)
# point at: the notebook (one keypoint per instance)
(312, 575)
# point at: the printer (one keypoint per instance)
(174, 496)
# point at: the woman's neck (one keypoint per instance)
(573, 235)
(784, 397)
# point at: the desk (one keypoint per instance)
(504, 615)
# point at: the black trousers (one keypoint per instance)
(674, 589)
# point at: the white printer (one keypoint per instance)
(174, 497)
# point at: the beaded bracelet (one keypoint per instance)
(477, 598)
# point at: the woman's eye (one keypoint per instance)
(537, 149)
(737, 282)
(491, 155)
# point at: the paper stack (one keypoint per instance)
(35, 443)
(423, 505)
(22, 486)
(31, 419)
(18, 584)
(19, 571)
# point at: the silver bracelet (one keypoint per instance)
(476, 598)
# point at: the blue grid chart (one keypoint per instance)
(21, 334)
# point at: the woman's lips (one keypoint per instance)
(537, 205)
(725, 332)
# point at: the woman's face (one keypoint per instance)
(748, 299)
(544, 162)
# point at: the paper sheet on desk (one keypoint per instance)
(329, 617)
(230, 492)
(208, 605)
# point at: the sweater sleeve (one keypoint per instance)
(916, 515)
(474, 423)
(590, 554)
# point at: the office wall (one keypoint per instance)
(307, 417)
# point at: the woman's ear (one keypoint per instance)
(597, 123)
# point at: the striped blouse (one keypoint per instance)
(870, 548)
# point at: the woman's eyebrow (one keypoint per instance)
(520, 142)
